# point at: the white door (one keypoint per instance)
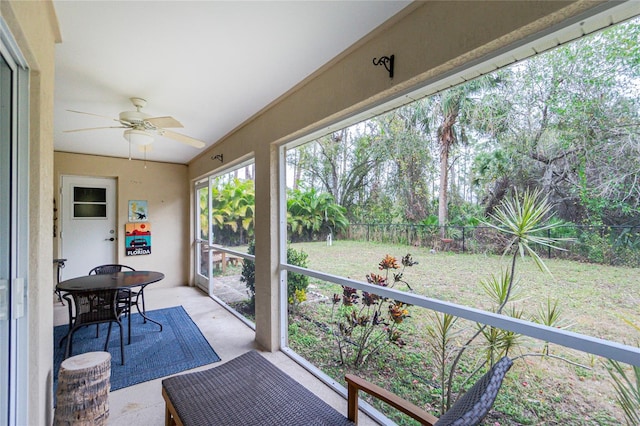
(88, 230)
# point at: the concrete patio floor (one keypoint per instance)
(142, 404)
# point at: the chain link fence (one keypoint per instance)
(611, 245)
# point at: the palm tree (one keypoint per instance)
(450, 104)
(458, 107)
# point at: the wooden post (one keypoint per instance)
(352, 402)
(82, 397)
(224, 263)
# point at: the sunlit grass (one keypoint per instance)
(594, 299)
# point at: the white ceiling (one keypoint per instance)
(209, 64)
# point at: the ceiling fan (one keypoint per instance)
(140, 127)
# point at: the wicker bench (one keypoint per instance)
(247, 390)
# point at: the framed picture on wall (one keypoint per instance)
(138, 211)
(137, 238)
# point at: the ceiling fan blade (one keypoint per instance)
(95, 115)
(182, 138)
(145, 148)
(164, 122)
(95, 128)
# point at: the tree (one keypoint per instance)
(457, 114)
(566, 122)
(405, 132)
(493, 171)
(525, 222)
(340, 164)
(574, 126)
(450, 104)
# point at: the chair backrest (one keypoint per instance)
(473, 406)
(109, 269)
(95, 306)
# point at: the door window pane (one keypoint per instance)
(89, 202)
(89, 195)
(89, 210)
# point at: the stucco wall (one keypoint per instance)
(165, 187)
(34, 26)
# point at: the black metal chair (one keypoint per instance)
(109, 269)
(468, 410)
(95, 307)
(59, 267)
(124, 295)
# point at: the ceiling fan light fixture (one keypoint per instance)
(138, 137)
(142, 128)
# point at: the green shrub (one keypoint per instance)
(296, 283)
(249, 274)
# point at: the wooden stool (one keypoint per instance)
(83, 390)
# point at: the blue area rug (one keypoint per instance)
(152, 353)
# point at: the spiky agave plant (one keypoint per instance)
(441, 337)
(526, 220)
(550, 314)
(627, 386)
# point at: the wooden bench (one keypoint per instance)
(221, 260)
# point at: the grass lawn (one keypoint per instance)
(594, 300)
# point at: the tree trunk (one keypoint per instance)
(83, 390)
(297, 173)
(442, 196)
(446, 139)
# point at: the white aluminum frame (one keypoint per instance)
(13, 408)
(207, 182)
(198, 278)
(599, 17)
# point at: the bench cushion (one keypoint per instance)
(248, 390)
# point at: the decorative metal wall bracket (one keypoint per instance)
(217, 157)
(387, 61)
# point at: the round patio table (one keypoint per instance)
(125, 279)
(118, 280)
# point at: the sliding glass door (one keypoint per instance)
(5, 241)
(13, 232)
(202, 235)
(224, 220)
